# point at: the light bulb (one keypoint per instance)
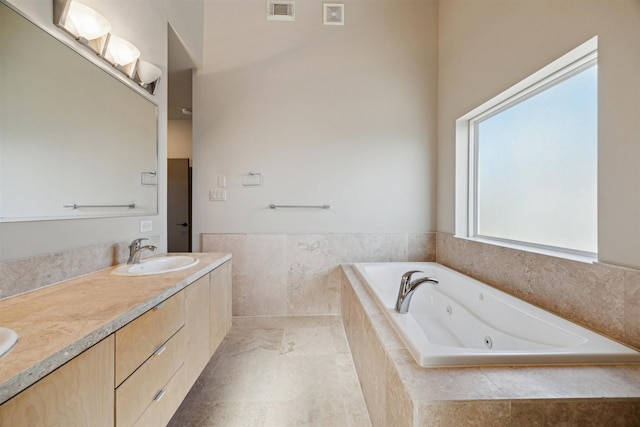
(121, 52)
(88, 23)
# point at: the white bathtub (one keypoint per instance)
(462, 322)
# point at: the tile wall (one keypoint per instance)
(298, 274)
(603, 298)
(23, 275)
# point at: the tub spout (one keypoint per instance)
(408, 287)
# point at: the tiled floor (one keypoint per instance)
(278, 371)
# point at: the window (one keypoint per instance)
(530, 160)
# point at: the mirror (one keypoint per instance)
(75, 142)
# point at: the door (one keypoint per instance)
(179, 206)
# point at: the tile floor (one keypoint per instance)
(278, 371)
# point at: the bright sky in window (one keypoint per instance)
(537, 167)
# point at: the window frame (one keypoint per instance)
(570, 64)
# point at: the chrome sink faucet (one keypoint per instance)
(407, 288)
(135, 250)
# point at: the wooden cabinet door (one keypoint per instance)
(196, 328)
(138, 340)
(79, 393)
(220, 310)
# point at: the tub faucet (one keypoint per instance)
(407, 288)
(135, 250)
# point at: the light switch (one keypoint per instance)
(217, 195)
(222, 181)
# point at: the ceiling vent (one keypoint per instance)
(333, 14)
(281, 11)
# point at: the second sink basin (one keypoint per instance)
(8, 338)
(156, 265)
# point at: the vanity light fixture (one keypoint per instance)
(122, 55)
(85, 25)
(93, 30)
(148, 76)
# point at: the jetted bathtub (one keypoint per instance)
(461, 322)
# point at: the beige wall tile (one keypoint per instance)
(422, 247)
(632, 308)
(23, 275)
(399, 410)
(259, 271)
(298, 274)
(578, 413)
(599, 297)
(472, 413)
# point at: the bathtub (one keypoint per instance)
(463, 322)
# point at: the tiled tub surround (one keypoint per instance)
(298, 274)
(24, 275)
(603, 298)
(59, 322)
(400, 393)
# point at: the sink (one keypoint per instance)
(156, 265)
(8, 338)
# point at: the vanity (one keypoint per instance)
(109, 350)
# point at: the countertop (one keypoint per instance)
(58, 322)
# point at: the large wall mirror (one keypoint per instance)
(75, 142)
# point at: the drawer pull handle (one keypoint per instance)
(160, 350)
(159, 306)
(159, 396)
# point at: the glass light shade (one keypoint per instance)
(121, 52)
(88, 23)
(147, 72)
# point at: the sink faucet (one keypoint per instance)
(407, 288)
(135, 250)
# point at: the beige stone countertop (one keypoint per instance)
(60, 321)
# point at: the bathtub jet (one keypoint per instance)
(464, 322)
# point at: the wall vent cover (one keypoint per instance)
(281, 11)
(333, 14)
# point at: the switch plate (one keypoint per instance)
(222, 181)
(146, 225)
(217, 195)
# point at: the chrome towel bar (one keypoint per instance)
(300, 206)
(75, 206)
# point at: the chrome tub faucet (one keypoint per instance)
(136, 249)
(407, 288)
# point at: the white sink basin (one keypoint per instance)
(156, 265)
(8, 338)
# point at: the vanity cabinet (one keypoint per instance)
(197, 327)
(208, 318)
(79, 393)
(220, 305)
(143, 370)
(149, 353)
(138, 340)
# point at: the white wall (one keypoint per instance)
(341, 115)
(487, 46)
(179, 140)
(145, 26)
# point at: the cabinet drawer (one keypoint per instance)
(139, 339)
(137, 393)
(162, 409)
